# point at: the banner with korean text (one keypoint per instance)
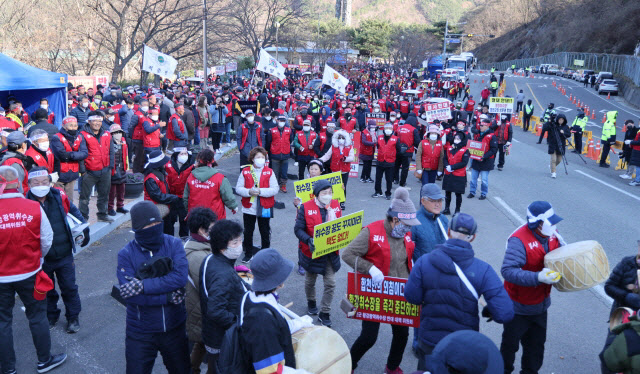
(334, 235)
(438, 111)
(304, 188)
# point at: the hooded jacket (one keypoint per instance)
(467, 352)
(562, 131)
(447, 304)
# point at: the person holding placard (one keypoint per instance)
(483, 164)
(322, 208)
(342, 154)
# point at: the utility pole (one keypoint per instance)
(277, 28)
(204, 40)
(444, 43)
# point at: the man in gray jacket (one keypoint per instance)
(519, 101)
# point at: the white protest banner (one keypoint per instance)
(333, 79)
(270, 65)
(501, 105)
(231, 66)
(437, 111)
(219, 70)
(158, 63)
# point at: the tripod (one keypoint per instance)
(560, 145)
(574, 147)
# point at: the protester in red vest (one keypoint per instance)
(152, 137)
(40, 153)
(430, 155)
(69, 148)
(257, 185)
(303, 143)
(409, 138)
(99, 164)
(348, 123)
(341, 156)
(209, 188)
(26, 238)
(278, 143)
(136, 133)
(504, 134)
(249, 136)
(321, 208)
(178, 171)
(528, 283)
(16, 158)
(455, 171)
(368, 141)
(388, 149)
(118, 173)
(483, 166)
(6, 123)
(176, 129)
(156, 190)
(384, 249)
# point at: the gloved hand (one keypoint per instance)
(234, 210)
(311, 246)
(301, 149)
(132, 288)
(508, 143)
(549, 276)
(300, 323)
(628, 141)
(376, 276)
(87, 238)
(449, 169)
(176, 297)
(486, 314)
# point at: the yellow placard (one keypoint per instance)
(334, 235)
(304, 188)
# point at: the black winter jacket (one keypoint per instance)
(553, 131)
(625, 273)
(318, 265)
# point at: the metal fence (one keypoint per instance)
(626, 65)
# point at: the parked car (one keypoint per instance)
(534, 69)
(566, 73)
(576, 75)
(602, 76)
(553, 69)
(608, 86)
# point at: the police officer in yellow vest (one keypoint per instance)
(493, 70)
(608, 136)
(494, 88)
(577, 127)
(526, 118)
(513, 68)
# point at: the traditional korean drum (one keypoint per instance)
(321, 350)
(620, 316)
(582, 265)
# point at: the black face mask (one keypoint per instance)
(72, 132)
(150, 238)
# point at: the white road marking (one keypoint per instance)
(516, 140)
(563, 109)
(609, 185)
(510, 210)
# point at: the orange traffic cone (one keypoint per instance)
(609, 96)
(593, 115)
(571, 98)
(538, 129)
(553, 83)
(578, 103)
(483, 81)
(596, 153)
(603, 118)
(590, 150)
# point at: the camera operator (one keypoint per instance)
(558, 131)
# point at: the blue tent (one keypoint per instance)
(29, 84)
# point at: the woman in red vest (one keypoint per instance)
(341, 155)
(321, 208)
(455, 171)
(430, 155)
(384, 249)
(388, 148)
(367, 149)
(156, 189)
(178, 170)
(257, 185)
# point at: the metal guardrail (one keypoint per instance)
(626, 65)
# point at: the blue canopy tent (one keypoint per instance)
(30, 84)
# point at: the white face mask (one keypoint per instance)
(84, 105)
(268, 118)
(392, 118)
(123, 103)
(388, 132)
(111, 118)
(44, 106)
(155, 117)
(547, 229)
(376, 110)
(280, 124)
(306, 128)
(183, 158)
(456, 141)
(325, 199)
(250, 119)
(40, 191)
(144, 108)
(97, 101)
(433, 136)
(344, 105)
(341, 141)
(117, 137)
(233, 253)
(259, 162)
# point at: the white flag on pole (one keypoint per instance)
(334, 79)
(158, 63)
(270, 65)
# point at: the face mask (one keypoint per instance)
(280, 124)
(250, 119)
(97, 101)
(144, 108)
(43, 146)
(423, 116)
(183, 158)
(331, 130)
(347, 115)
(44, 106)
(388, 132)
(233, 253)
(376, 110)
(400, 230)
(117, 137)
(392, 118)
(325, 199)
(155, 117)
(344, 105)
(150, 238)
(433, 137)
(306, 128)
(72, 132)
(40, 191)
(341, 141)
(111, 118)
(84, 105)
(123, 103)
(547, 229)
(259, 162)
(267, 118)
(456, 141)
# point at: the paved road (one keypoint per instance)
(594, 202)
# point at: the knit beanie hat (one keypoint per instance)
(402, 207)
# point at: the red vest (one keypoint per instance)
(266, 202)
(71, 165)
(387, 151)
(125, 157)
(280, 143)
(308, 147)
(470, 105)
(170, 134)
(116, 108)
(7, 124)
(138, 131)
(151, 140)
(367, 150)
(162, 185)
(454, 159)
(39, 160)
(98, 158)
(502, 132)
(177, 181)
(245, 132)
(430, 156)
(486, 142)
(25, 182)
(323, 139)
(535, 262)
(20, 232)
(405, 134)
(313, 217)
(636, 147)
(379, 253)
(336, 159)
(51, 117)
(404, 107)
(348, 126)
(300, 120)
(206, 194)
(383, 105)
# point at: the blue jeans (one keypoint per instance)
(226, 136)
(637, 180)
(473, 184)
(64, 270)
(196, 136)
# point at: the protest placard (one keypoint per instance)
(438, 111)
(380, 118)
(334, 235)
(476, 150)
(501, 105)
(304, 188)
(384, 304)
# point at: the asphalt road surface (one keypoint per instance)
(594, 203)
